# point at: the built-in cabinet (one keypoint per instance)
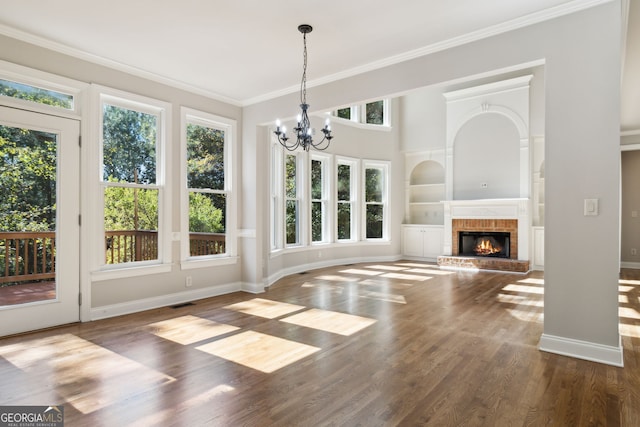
(538, 248)
(424, 241)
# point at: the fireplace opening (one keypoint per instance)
(483, 243)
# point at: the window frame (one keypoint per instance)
(300, 199)
(39, 79)
(99, 269)
(354, 165)
(229, 126)
(325, 200)
(359, 115)
(385, 166)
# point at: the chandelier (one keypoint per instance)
(303, 130)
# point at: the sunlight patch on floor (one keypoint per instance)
(415, 265)
(532, 281)
(625, 289)
(189, 329)
(402, 276)
(629, 282)
(520, 300)
(434, 271)
(362, 272)
(334, 278)
(258, 351)
(330, 321)
(522, 288)
(385, 284)
(168, 416)
(264, 308)
(386, 267)
(104, 379)
(324, 286)
(381, 296)
(629, 313)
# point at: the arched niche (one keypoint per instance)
(486, 159)
(427, 172)
(504, 103)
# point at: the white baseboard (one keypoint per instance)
(634, 265)
(328, 263)
(583, 350)
(136, 306)
(252, 288)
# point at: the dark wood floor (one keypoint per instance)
(369, 344)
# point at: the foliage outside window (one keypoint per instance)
(374, 112)
(319, 199)
(131, 190)
(206, 186)
(276, 196)
(35, 94)
(28, 203)
(345, 200)
(344, 113)
(375, 201)
(292, 200)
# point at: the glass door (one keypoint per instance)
(39, 227)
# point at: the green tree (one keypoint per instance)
(27, 180)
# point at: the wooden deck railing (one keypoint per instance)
(31, 256)
(27, 256)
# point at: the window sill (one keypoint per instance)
(126, 272)
(194, 263)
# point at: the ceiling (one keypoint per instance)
(250, 50)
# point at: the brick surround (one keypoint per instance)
(499, 225)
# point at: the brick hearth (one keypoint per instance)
(499, 225)
(484, 263)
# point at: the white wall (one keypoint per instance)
(109, 297)
(581, 53)
(486, 159)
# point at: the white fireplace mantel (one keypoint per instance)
(518, 209)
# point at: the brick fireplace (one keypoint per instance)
(496, 215)
(486, 225)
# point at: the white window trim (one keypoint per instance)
(386, 167)
(326, 200)
(29, 76)
(99, 270)
(276, 225)
(189, 115)
(355, 192)
(358, 116)
(301, 197)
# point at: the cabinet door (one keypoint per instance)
(432, 242)
(412, 241)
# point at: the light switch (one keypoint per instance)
(634, 214)
(591, 207)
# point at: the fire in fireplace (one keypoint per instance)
(483, 243)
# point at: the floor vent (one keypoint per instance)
(186, 304)
(304, 272)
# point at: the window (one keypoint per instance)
(276, 196)
(375, 198)
(133, 191)
(346, 190)
(374, 113)
(292, 193)
(208, 146)
(35, 94)
(319, 198)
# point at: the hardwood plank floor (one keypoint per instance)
(387, 344)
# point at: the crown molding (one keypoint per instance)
(118, 66)
(533, 18)
(514, 24)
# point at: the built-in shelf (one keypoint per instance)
(426, 190)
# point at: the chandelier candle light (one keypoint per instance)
(303, 130)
